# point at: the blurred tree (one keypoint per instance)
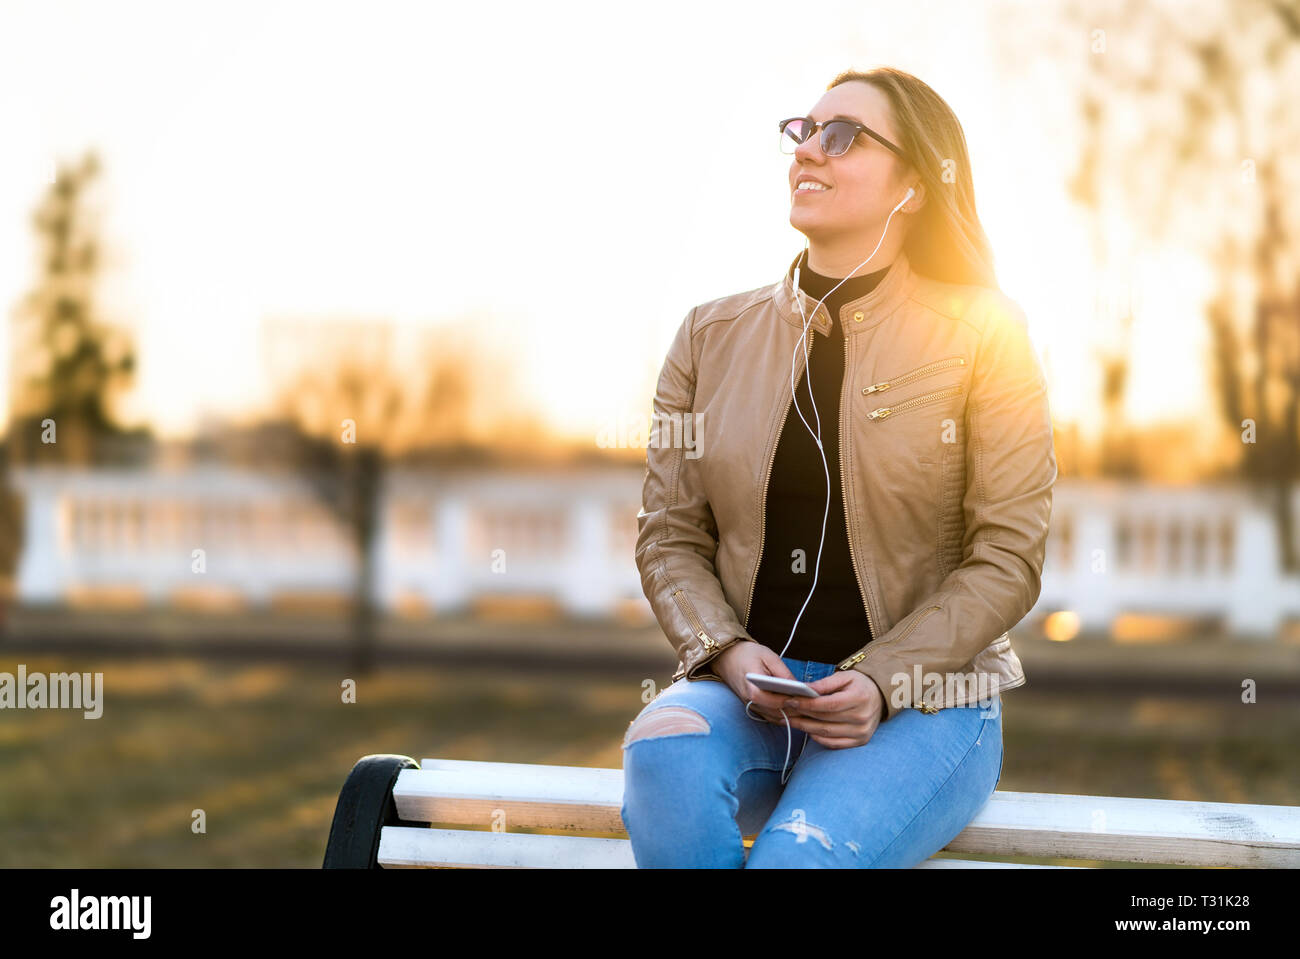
(356, 411)
(1191, 134)
(11, 534)
(67, 365)
(1118, 440)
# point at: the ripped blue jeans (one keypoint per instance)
(699, 774)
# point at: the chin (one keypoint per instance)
(801, 221)
(809, 229)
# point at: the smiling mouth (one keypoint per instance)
(805, 190)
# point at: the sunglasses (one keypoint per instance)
(838, 135)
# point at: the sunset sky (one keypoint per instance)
(535, 166)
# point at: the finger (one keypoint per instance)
(844, 694)
(832, 702)
(835, 681)
(828, 702)
(776, 666)
(768, 700)
(824, 728)
(833, 742)
(761, 696)
(825, 705)
(775, 716)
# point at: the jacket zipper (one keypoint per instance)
(915, 374)
(885, 411)
(844, 412)
(693, 618)
(762, 511)
(858, 656)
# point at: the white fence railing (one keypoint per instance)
(446, 539)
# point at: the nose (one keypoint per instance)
(810, 149)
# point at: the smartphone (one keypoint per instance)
(779, 684)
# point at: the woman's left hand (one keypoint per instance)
(845, 714)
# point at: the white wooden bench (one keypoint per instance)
(385, 808)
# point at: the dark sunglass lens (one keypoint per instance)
(837, 137)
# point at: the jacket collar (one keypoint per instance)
(877, 306)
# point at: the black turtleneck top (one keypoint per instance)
(834, 624)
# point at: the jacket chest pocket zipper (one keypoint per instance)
(693, 618)
(915, 374)
(886, 411)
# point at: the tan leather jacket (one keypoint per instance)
(946, 461)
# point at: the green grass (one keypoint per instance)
(264, 748)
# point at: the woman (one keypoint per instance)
(861, 504)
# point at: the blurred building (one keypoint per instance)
(224, 536)
(219, 536)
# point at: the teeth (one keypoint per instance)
(810, 185)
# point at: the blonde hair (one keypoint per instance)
(946, 240)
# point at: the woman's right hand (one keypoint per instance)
(748, 656)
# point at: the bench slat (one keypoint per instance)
(1049, 825)
(1170, 831)
(543, 797)
(414, 847)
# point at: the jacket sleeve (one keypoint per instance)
(677, 537)
(1010, 472)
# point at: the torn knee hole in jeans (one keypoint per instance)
(666, 721)
(803, 829)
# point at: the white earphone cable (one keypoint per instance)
(817, 437)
